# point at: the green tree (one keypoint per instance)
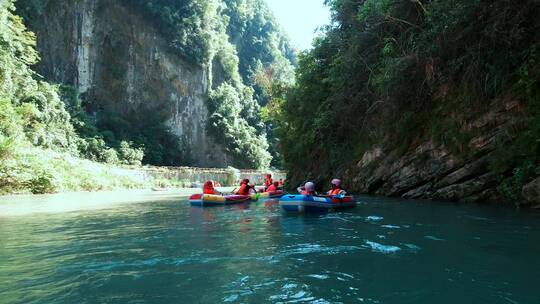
(240, 139)
(33, 105)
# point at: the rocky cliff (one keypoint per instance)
(429, 169)
(433, 171)
(125, 68)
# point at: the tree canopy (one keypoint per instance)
(395, 72)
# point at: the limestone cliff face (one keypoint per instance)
(121, 64)
(432, 171)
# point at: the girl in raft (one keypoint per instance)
(336, 188)
(208, 188)
(307, 189)
(268, 181)
(273, 187)
(245, 188)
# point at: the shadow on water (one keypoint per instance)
(384, 251)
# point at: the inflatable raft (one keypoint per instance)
(218, 200)
(309, 203)
(265, 195)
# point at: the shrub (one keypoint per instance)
(42, 183)
(512, 186)
(129, 155)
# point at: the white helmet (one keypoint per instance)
(309, 186)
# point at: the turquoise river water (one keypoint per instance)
(384, 251)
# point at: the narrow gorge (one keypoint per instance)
(414, 99)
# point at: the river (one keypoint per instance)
(165, 251)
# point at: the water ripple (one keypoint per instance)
(382, 248)
(433, 238)
(166, 252)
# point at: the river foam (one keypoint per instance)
(377, 247)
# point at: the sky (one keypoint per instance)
(300, 19)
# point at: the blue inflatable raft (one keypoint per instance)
(309, 203)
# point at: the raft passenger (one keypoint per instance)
(208, 188)
(245, 188)
(268, 181)
(307, 189)
(336, 188)
(273, 187)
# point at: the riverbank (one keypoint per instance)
(18, 205)
(38, 171)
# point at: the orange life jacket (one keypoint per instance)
(335, 191)
(305, 192)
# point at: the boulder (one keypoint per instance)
(531, 192)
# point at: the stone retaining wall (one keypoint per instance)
(188, 175)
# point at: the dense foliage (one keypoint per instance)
(201, 29)
(32, 114)
(31, 108)
(240, 139)
(267, 60)
(259, 39)
(94, 144)
(395, 72)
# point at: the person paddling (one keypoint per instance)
(208, 188)
(336, 188)
(245, 187)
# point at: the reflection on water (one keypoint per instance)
(385, 251)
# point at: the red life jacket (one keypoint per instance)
(271, 188)
(244, 189)
(209, 190)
